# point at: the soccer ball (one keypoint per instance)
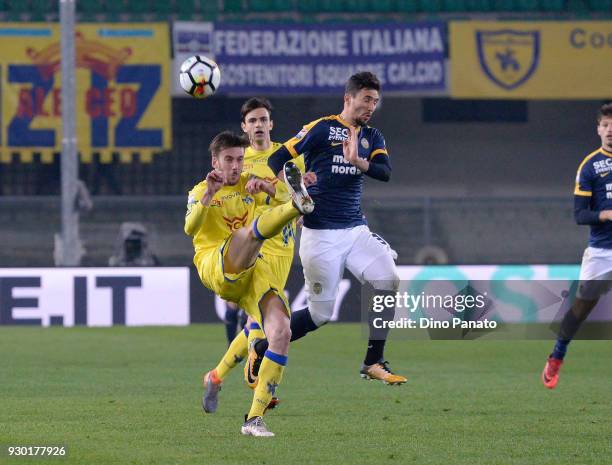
(199, 76)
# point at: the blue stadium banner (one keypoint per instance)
(291, 59)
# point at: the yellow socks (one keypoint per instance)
(272, 221)
(235, 353)
(255, 332)
(270, 376)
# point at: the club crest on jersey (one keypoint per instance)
(508, 57)
(364, 143)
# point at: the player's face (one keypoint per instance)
(604, 129)
(361, 106)
(257, 125)
(229, 162)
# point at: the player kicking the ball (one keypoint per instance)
(340, 149)
(228, 236)
(593, 206)
(257, 124)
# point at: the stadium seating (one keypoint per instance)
(337, 10)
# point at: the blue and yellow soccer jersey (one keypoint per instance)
(594, 181)
(337, 193)
(256, 163)
(211, 227)
(231, 208)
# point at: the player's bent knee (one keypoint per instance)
(382, 274)
(278, 334)
(321, 311)
(388, 282)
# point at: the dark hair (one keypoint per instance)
(362, 80)
(253, 104)
(605, 110)
(227, 140)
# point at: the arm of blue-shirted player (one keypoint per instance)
(378, 166)
(199, 200)
(583, 193)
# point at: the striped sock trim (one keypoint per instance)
(256, 232)
(254, 325)
(280, 359)
(246, 331)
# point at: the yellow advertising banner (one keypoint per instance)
(122, 92)
(531, 60)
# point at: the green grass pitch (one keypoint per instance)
(132, 396)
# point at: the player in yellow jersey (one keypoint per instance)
(228, 237)
(256, 115)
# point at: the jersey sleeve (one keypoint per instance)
(196, 212)
(379, 146)
(584, 180)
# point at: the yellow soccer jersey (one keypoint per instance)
(256, 163)
(230, 209)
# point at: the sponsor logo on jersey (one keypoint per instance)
(336, 133)
(247, 200)
(364, 143)
(230, 196)
(237, 222)
(341, 166)
(603, 166)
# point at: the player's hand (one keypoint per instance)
(309, 178)
(349, 147)
(214, 182)
(350, 152)
(605, 215)
(257, 185)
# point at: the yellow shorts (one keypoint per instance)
(246, 288)
(280, 266)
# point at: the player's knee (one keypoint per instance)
(382, 274)
(321, 312)
(278, 333)
(389, 282)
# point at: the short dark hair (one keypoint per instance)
(253, 104)
(227, 140)
(605, 110)
(362, 80)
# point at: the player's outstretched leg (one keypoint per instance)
(271, 371)
(214, 378)
(295, 185)
(231, 321)
(382, 274)
(212, 386)
(569, 327)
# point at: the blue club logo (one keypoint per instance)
(508, 58)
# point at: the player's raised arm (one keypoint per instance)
(584, 214)
(377, 166)
(199, 200)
